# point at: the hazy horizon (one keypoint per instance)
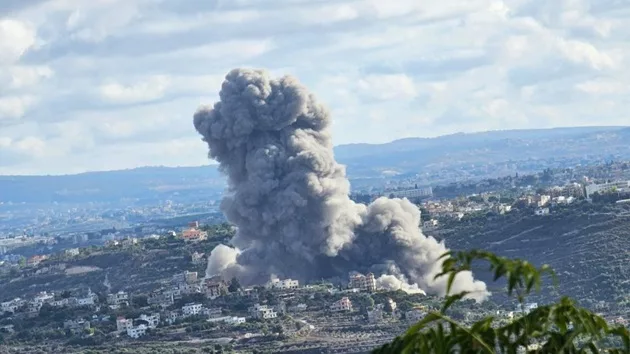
(209, 162)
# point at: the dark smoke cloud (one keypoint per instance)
(290, 200)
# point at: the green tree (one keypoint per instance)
(562, 327)
(234, 285)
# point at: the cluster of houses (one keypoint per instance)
(33, 305)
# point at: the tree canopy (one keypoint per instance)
(561, 327)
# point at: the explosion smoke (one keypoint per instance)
(290, 200)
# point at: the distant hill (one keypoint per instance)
(477, 154)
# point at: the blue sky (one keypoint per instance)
(109, 84)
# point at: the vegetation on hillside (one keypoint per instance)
(561, 327)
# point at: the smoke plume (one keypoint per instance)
(289, 198)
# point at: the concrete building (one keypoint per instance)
(161, 298)
(542, 211)
(152, 321)
(77, 326)
(214, 287)
(72, 252)
(412, 193)
(617, 186)
(376, 315)
(262, 312)
(122, 324)
(191, 309)
(344, 304)
(363, 282)
(282, 284)
(117, 300)
(137, 332)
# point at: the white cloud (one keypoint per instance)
(16, 37)
(14, 107)
(116, 81)
(151, 89)
(387, 87)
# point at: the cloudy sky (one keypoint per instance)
(110, 84)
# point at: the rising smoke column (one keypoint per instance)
(290, 200)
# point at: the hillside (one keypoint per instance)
(476, 155)
(587, 245)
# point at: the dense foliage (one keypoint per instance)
(561, 327)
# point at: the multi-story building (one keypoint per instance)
(122, 324)
(214, 287)
(344, 304)
(191, 309)
(118, 299)
(282, 284)
(137, 332)
(161, 298)
(77, 327)
(411, 193)
(152, 321)
(262, 312)
(363, 282)
(415, 315)
(617, 186)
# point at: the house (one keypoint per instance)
(185, 278)
(363, 282)
(117, 300)
(88, 300)
(129, 242)
(391, 305)
(214, 287)
(161, 298)
(430, 225)
(543, 200)
(376, 315)
(198, 258)
(299, 308)
(12, 306)
(72, 252)
(542, 211)
(42, 298)
(191, 309)
(36, 260)
(344, 304)
(172, 316)
(77, 326)
(122, 324)
(152, 321)
(262, 312)
(137, 332)
(194, 234)
(212, 312)
(282, 284)
(60, 302)
(7, 329)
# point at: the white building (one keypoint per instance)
(42, 298)
(228, 319)
(363, 282)
(12, 306)
(344, 304)
(137, 332)
(152, 320)
(123, 324)
(121, 298)
(542, 211)
(88, 300)
(283, 284)
(191, 309)
(430, 224)
(72, 252)
(262, 312)
(60, 302)
(412, 193)
(212, 312)
(620, 186)
(544, 200)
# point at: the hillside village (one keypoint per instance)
(150, 283)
